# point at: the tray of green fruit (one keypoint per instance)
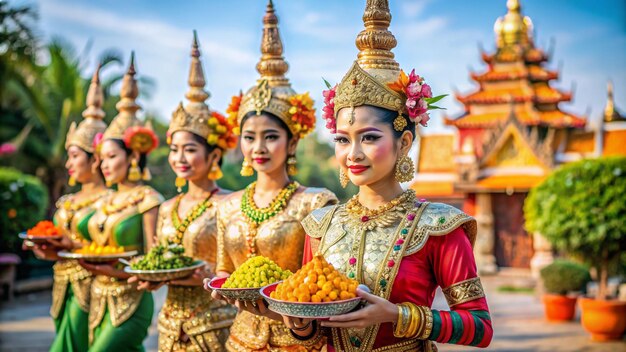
(244, 284)
(163, 263)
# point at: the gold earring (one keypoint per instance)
(399, 123)
(147, 175)
(134, 173)
(216, 172)
(71, 181)
(292, 170)
(246, 169)
(180, 183)
(405, 171)
(343, 178)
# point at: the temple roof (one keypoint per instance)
(555, 118)
(534, 73)
(541, 93)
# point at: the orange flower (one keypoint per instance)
(302, 113)
(12, 213)
(401, 84)
(222, 133)
(233, 110)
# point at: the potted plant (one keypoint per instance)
(580, 209)
(563, 280)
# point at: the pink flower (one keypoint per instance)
(7, 148)
(423, 119)
(328, 111)
(411, 103)
(414, 78)
(426, 92)
(423, 104)
(414, 89)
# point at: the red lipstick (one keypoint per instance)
(357, 169)
(261, 160)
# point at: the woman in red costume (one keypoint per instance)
(400, 247)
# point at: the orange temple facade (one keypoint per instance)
(512, 134)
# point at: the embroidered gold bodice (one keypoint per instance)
(281, 238)
(191, 309)
(125, 228)
(71, 218)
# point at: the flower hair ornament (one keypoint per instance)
(141, 139)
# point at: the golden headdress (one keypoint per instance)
(83, 134)
(126, 126)
(376, 79)
(196, 117)
(273, 92)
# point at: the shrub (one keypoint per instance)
(580, 209)
(564, 276)
(24, 200)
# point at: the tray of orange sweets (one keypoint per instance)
(245, 282)
(317, 291)
(41, 232)
(96, 253)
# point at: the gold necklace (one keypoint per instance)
(71, 207)
(198, 209)
(255, 215)
(110, 208)
(354, 207)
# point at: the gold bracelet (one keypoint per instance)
(403, 321)
(418, 328)
(415, 321)
(420, 331)
(428, 324)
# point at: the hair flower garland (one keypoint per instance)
(328, 112)
(419, 96)
(221, 134)
(232, 110)
(141, 139)
(302, 114)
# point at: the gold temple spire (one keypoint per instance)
(272, 65)
(196, 95)
(376, 41)
(95, 98)
(610, 113)
(513, 28)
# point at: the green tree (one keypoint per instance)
(580, 209)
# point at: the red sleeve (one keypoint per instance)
(467, 323)
(307, 254)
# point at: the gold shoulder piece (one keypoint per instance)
(321, 197)
(316, 223)
(151, 199)
(464, 291)
(440, 219)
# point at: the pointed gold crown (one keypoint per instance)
(196, 117)
(273, 92)
(193, 117)
(83, 134)
(366, 83)
(127, 106)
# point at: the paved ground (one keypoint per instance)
(518, 320)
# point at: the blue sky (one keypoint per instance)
(440, 39)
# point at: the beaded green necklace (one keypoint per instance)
(255, 215)
(198, 209)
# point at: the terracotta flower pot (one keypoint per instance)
(559, 307)
(605, 320)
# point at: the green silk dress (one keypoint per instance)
(72, 283)
(119, 314)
